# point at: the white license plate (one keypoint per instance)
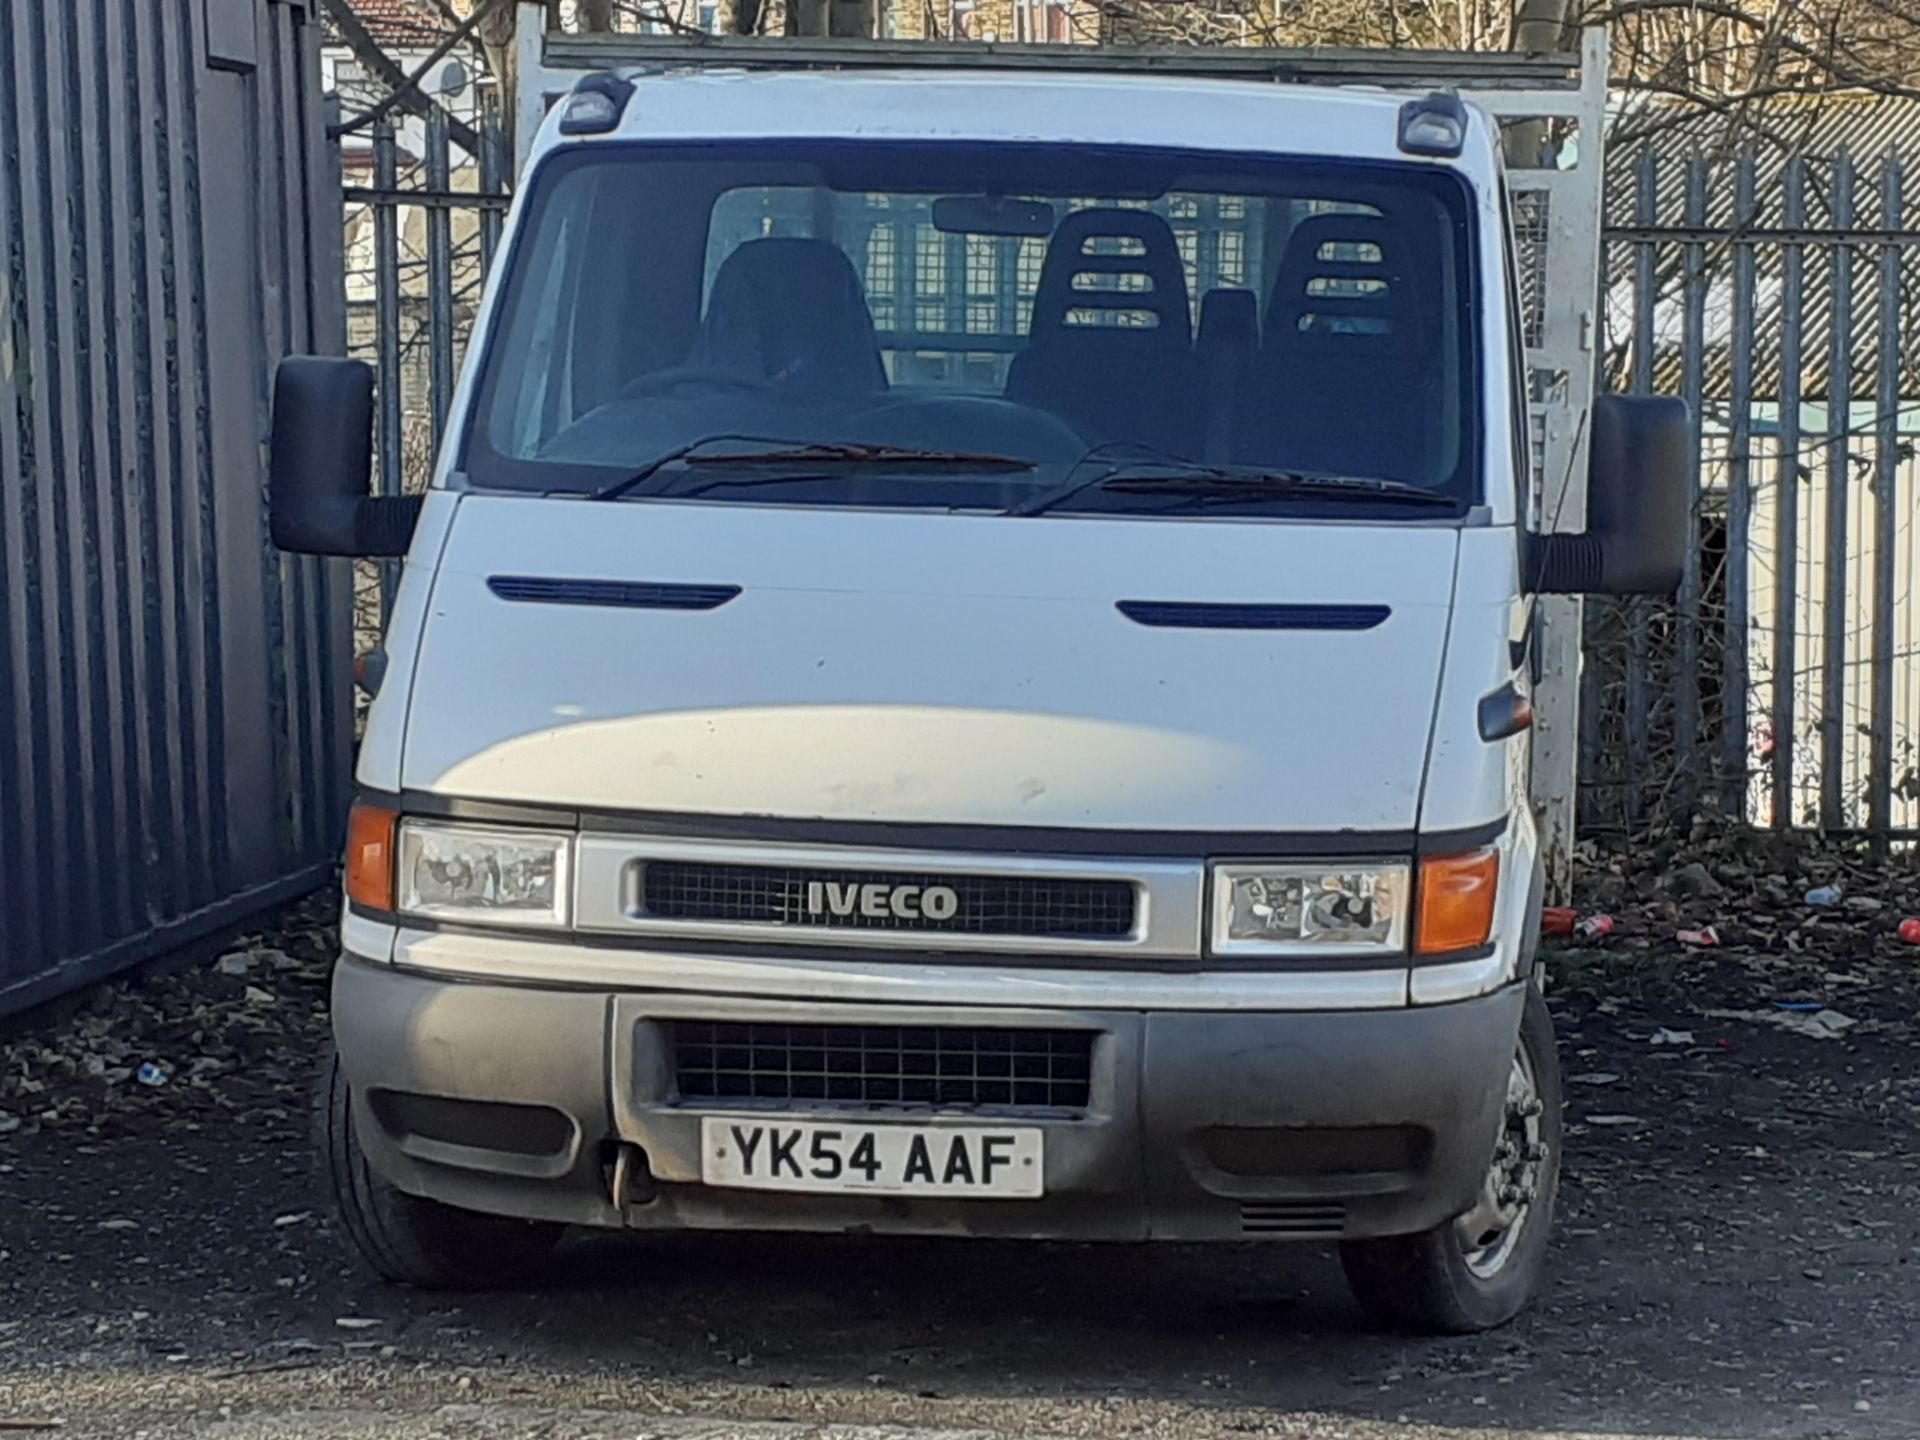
(969, 1161)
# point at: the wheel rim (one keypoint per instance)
(1490, 1233)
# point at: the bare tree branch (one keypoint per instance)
(397, 98)
(405, 90)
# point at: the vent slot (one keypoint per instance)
(618, 594)
(1300, 1219)
(1197, 615)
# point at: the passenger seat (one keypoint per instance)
(1110, 349)
(1348, 360)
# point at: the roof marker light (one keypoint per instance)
(1435, 124)
(594, 106)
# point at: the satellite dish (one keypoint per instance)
(451, 80)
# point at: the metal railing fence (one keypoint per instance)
(1777, 295)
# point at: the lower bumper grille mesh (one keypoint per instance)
(951, 1067)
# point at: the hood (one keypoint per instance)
(933, 668)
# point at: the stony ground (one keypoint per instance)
(1738, 1253)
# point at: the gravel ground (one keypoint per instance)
(1738, 1256)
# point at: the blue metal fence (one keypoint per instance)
(174, 716)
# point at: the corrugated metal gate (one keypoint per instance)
(174, 694)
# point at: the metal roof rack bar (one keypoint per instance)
(1393, 68)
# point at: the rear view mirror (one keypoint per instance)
(1637, 530)
(320, 461)
(992, 215)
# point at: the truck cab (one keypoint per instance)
(966, 670)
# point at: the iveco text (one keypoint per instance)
(966, 670)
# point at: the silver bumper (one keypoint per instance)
(1202, 1124)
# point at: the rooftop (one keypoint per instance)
(400, 24)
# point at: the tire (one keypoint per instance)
(404, 1238)
(1435, 1282)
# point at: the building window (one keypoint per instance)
(1049, 21)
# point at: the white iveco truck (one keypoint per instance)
(967, 670)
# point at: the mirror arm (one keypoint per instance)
(1566, 564)
(383, 524)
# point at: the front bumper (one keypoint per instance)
(1202, 1125)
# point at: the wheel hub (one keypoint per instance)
(1490, 1231)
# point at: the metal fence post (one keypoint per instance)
(494, 162)
(1833, 656)
(1886, 482)
(1733, 652)
(1787, 473)
(1686, 680)
(1646, 187)
(439, 274)
(387, 302)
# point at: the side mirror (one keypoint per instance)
(320, 463)
(1638, 525)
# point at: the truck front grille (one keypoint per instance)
(910, 901)
(952, 1067)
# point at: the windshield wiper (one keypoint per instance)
(801, 452)
(860, 454)
(1217, 482)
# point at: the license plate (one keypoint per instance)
(967, 1161)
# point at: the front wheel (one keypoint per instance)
(405, 1238)
(1480, 1270)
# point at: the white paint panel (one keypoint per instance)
(932, 668)
(380, 745)
(1468, 779)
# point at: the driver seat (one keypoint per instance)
(791, 312)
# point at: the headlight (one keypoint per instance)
(1304, 909)
(483, 875)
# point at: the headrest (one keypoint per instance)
(792, 311)
(1339, 275)
(1113, 269)
(1229, 318)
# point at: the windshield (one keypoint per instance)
(698, 315)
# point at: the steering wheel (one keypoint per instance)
(676, 376)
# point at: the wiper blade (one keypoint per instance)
(1207, 482)
(832, 452)
(679, 452)
(1236, 486)
(816, 456)
(800, 452)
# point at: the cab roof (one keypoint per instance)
(1106, 109)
